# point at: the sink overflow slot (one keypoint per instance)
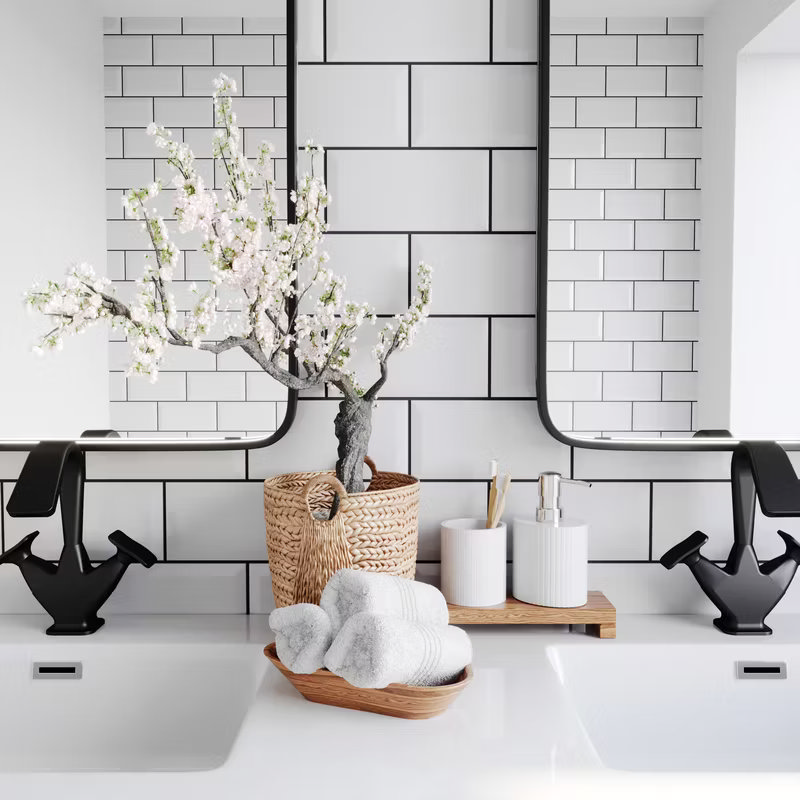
(54, 670)
(763, 670)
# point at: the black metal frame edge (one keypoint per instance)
(122, 445)
(686, 445)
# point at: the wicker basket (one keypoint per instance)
(374, 530)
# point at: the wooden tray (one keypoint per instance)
(598, 615)
(396, 700)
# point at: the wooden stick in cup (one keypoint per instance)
(501, 501)
(492, 493)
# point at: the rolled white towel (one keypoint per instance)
(351, 591)
(373, 650)
(303, 635)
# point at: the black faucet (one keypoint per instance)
(744, 591)
(71, 591)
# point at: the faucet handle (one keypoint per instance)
(130, 551)
(20, 551)
(792, 545)
(684, 551)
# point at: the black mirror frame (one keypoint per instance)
(543, 156)
(99, 442)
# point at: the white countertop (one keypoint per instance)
(511, 734)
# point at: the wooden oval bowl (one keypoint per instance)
(396, 700)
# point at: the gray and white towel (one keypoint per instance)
(373, 650)
(303, 634)
(351, 591)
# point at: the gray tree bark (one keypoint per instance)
(353, 426)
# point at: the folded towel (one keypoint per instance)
(303, 634)
(373, 650)
(351, 591)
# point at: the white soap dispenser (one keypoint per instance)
(551, 554)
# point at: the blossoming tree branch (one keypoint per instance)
(290, 301)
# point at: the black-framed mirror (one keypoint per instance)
(661, 312)
(85, 110)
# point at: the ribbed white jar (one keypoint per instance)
(473, 562)
(551, 563)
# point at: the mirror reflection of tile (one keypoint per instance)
(161, 69)
(625, 120)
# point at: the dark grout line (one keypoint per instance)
(409, 104)
(489, 359)
(420, 63)
(433, 232)
(650, 523)
(324, 31)
(163, 518)
(408, 422)
(424, 561)
(256, 480)
(491, 30)
(442, 148)
(491, 193)
(410, 272)
(434, 399)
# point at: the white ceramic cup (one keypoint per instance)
(473, 562)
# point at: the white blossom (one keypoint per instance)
(399, 333)
(280, 295)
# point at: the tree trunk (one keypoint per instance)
(353, 425)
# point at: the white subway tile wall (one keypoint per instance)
(201, 511)
(161, 69)
(625, 154)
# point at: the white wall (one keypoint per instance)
(765, 383)
(443, 429)
(731, 24)
(630, 8)
(52, 210)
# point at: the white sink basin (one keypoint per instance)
(676, 707)
(137, 707)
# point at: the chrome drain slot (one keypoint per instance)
(57, 670)
(761, 670)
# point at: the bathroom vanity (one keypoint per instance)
(673, 715)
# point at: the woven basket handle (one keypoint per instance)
(323, 480)
(335, 484)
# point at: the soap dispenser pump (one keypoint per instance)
(551, 554)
